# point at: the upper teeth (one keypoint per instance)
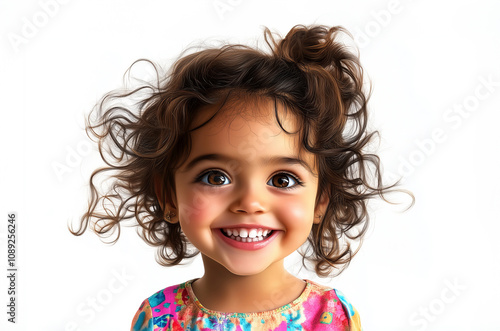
(244, 233)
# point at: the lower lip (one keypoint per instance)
(250, 246)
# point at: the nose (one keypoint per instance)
(249, 199)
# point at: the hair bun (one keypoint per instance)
(311, 45)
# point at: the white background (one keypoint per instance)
(435, 267)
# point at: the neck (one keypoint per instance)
(221, 290)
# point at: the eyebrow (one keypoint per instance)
(206, 157)
(289, 161)
(273, 160)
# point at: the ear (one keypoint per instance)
(321, 206)
(166, 207)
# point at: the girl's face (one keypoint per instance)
(245, 178)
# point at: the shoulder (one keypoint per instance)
(335, 307)
(352, 313)
(161, 303)
(143, 319)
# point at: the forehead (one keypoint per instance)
(245, 107)
(246, 127)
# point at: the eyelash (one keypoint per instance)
(298, 182)
(199, 178)
(296, 179)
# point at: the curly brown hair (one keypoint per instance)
(310, 71)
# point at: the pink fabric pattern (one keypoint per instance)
(177, 308)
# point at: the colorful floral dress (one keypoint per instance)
(177, 308)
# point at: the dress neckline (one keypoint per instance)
(301, 298)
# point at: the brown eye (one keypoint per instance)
(280, 181)
(283, 180)
(215, 178)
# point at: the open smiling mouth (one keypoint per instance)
(247, 235)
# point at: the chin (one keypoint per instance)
(244, 269)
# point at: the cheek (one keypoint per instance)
(296, 212)
(297, 217)
(199, 207)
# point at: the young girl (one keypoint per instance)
(245, 155)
